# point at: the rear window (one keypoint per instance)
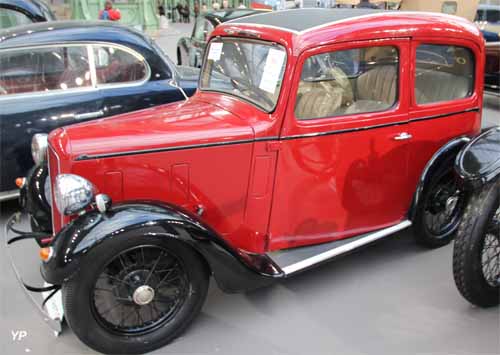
(443, 73)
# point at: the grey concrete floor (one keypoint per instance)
(389, 298)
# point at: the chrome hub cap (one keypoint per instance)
(451, 203)
(143, 295)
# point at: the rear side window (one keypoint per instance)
(117, 66)
(348, 82)
(443, 73)
(44, 69)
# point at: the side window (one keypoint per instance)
(11, 18)
(348, 82)
(115, 65)
(493, 16)
(44, 69)
(443, 73)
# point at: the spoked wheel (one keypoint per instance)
(133, 294)
(139, 290)
(443, 204)
(476, 253)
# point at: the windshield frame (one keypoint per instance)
(271, 44)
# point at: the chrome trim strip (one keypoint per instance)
(183, 147)
(304, 264)
(475, 109)
(9, 195)
(93, 71)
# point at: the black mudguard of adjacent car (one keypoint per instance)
(234, 270)
(478, 163)
(33, 199)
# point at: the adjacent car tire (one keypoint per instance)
(148, 304)
(476, 252)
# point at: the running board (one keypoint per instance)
(297, 259)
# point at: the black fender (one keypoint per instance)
(478, 163)
(234, 270)
(33, 201)
(446, 152)
(182, 45)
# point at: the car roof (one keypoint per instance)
(301, 29)
(220, 16)
(36, 8)
(71, 31)
(299, 20)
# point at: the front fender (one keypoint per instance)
(478, 163)
(33, 199)
(234, 270)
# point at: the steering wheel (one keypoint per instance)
(245, 87)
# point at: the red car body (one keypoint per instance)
(266, 181)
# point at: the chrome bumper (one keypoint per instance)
(47, 291)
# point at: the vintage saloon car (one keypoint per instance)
(58, 73)
(312, 133)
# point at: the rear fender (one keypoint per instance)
(447, 152)
(234, 270)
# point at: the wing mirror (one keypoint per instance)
(175, 84)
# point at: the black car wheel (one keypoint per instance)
(179, 57)
(135, 294)
(438, 216)
(476, 252)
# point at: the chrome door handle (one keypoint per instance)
(87, 115)
(403, 136)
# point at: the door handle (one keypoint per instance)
(403, 136)
(87, 115)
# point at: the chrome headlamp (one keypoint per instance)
(72, 193)
(39, 148)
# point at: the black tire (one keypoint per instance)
(468, 248)
(179, 57)
(87, 322)
(442, 180)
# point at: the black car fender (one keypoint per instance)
(33, 199)
(478, 162)
(443, 154)
(234, 270)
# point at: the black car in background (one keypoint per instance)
(190, 49)
(23, 12)
(59, 73)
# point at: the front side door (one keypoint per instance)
(127, 82)
(343, 161)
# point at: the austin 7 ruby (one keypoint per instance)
(312, 133)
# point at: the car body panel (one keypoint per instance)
(35, 10)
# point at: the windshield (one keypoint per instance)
(252, 70)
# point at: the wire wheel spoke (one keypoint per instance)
(147, 284)
(490, 259)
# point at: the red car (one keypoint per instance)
(312, 133)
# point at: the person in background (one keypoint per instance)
(109, 13)
(216, 5)
(242, 5)
(186, 13)
(163, 17)
(225, 4)
(196, 9)
(367, 5)
(204, 7)
(179, 12)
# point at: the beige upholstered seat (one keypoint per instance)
(436, 86)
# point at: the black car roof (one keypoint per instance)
(218, 17)
(303, 19)
(35, 8)
(71, 31)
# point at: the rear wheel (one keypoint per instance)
(476, 253)
(135, 294)
(438, 216)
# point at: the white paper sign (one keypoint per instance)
(54, 305)
(215, 51)
(272, 70)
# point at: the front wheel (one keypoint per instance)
(134, 294)
(476, 253)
